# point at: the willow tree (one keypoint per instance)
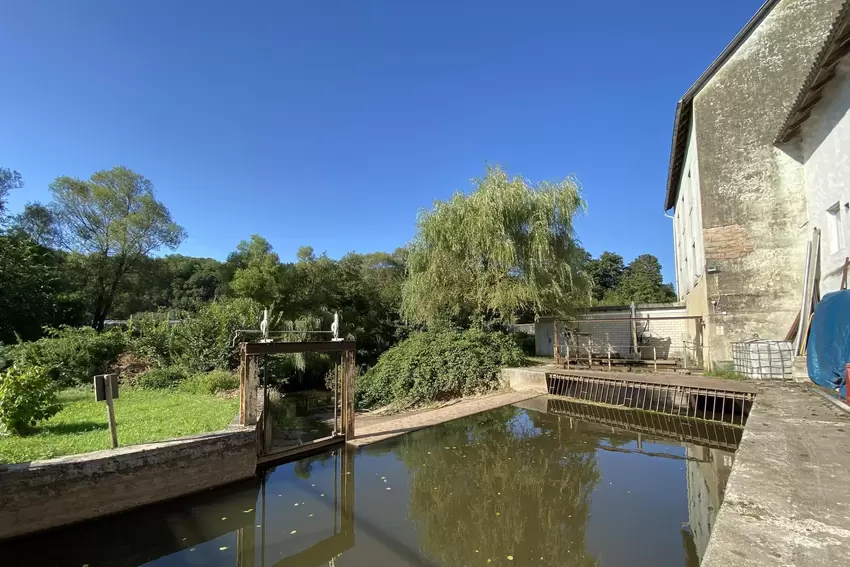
(506, 248)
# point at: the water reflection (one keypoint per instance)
(513, 486)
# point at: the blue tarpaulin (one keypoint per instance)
(829, 341)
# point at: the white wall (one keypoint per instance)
(687, 222)
(826, 166)
(668, 336)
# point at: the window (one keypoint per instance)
(835, 228)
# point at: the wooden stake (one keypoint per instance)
(110, 409)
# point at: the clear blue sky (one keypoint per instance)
(332, 122)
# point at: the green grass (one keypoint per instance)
(142, 416)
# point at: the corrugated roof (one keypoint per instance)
(684, 108)
(836, 46)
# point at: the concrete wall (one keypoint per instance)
(687, 223)
(45, 494)
(668, 337)
(826, 156)
(753, 215)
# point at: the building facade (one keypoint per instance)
(754, 166)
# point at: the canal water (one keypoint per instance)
(511, 486)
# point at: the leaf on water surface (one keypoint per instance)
(223, 518)
(322, 494)
(222, 548)
(259, 525)
(309, 515)
(296, 503)
(292, 532)
(248, 511)
(510, 557)
(191, 549)
(388, 488)
(498, 513)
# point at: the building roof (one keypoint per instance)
(684, 108)
(836, 46)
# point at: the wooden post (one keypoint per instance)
(589, 358)
(609, 359)
(349, 373)
(110, 409)
(568, 357)
(654, 359)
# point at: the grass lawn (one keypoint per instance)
(142, 416)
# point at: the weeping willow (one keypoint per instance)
(506, 248)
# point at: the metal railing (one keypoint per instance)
(713, 434)
(687, 356)
(685, 401)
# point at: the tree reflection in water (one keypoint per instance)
(502, 483)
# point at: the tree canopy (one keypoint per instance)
(617, 284)
(115, 219)
(508, 246)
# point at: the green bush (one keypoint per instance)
(160, 378)
(27, 396)
(525, 342)
(210, 382)
(438, 364)
(71, 356)
(150, 336)
(204, 342)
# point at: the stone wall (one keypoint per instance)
(752, 193)
(45, 494)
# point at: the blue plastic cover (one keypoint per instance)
(829, 341)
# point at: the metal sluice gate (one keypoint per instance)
(715, 404)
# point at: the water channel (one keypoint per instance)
(511, 486)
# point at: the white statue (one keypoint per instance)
(264, 325)
(335, 327)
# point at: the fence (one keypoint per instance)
(763, 360)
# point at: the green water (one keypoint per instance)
(511, 486)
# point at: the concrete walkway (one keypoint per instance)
(371, 429)
(788, 497)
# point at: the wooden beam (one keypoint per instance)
(296, 347)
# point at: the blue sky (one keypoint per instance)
(331, 123)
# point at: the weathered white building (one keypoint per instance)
(759, 158)
(661, 331)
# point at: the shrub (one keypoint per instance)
(438, 364)
(161, 378)
(204, 341)
(210, 382)
(150, 337)
(71, 356)
(27, 396)
(525, 342)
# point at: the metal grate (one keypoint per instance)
(685, 401)
(713, 434)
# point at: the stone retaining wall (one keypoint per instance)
(46, 494)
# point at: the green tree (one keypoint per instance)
(114, 219)
(37, 222)
(507, 247)
(9, 179)
(642, 282)
(606, 272)
(258, 271)
(28, 280)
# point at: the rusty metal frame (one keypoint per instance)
(249, 413)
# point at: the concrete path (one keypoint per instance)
(787, 502)
(371, 429)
